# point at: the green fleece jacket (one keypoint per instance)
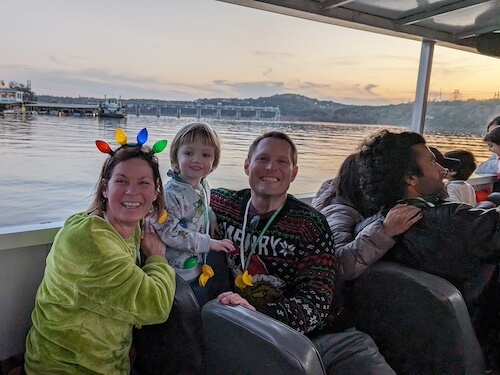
(91, 295)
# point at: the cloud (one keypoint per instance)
(267, 72)
(311, 85)
(56, 60)
(273, 54)
(368, 88)
(97, 82)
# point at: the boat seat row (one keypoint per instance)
(419, 321)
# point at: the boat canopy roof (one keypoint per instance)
(469, 25)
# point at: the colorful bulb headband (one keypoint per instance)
(121, 138)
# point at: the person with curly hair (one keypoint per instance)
(452, 240)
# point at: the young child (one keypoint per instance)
(459, 190)
(492, 139)
(490, 166)
(194, 153)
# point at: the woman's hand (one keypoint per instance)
(151, 244)
(234, 299)
(400, 218)
(224, 245)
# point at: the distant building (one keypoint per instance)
(10, 96)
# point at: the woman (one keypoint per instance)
(93, 292)
(344, 205)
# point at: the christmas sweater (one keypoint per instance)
(293, 266)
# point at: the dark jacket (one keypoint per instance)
(452, 240)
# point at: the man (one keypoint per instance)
(452, 240)
(283, 264)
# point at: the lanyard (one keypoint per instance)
(244, 265)
(205, 216)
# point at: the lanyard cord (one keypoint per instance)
(205, 216)
(244, 265)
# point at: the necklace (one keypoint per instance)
(244, 265)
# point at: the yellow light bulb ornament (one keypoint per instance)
(244, 280)
(163, 217)
(121, 136)
(206, 273)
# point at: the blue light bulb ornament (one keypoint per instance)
(142, 137)
(159, 146)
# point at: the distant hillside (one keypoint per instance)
(456, 116)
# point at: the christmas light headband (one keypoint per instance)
(121, 138)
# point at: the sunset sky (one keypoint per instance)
(189, 49)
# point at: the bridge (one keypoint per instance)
(217, 111)
(178, 110)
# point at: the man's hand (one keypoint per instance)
(151, 244)
(400, 218)
(234, 299)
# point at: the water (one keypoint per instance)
(50, 164)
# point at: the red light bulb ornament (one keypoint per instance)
(103, 147)
(142, 137)
(121, 136)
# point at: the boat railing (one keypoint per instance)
(23, 250)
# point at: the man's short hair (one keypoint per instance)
(386, 160)
(276, 135)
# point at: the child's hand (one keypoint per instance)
(214, 229)
(224, 245)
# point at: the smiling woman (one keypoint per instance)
(94, 279)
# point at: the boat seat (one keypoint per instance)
(241, 341)
(419, 321)
(175, 346)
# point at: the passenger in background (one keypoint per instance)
(452, 240)
(194, 154)
(492, 139)
(94, 291)
(457, 187)
(490, 166)
(344, 205)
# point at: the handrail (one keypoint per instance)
(41, 234)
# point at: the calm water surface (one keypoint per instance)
(50, 164)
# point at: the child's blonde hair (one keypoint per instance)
(189, 134)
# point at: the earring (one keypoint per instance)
(104, 203)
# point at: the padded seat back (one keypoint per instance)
(175, 346)
(419, 321)
(241, 341)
